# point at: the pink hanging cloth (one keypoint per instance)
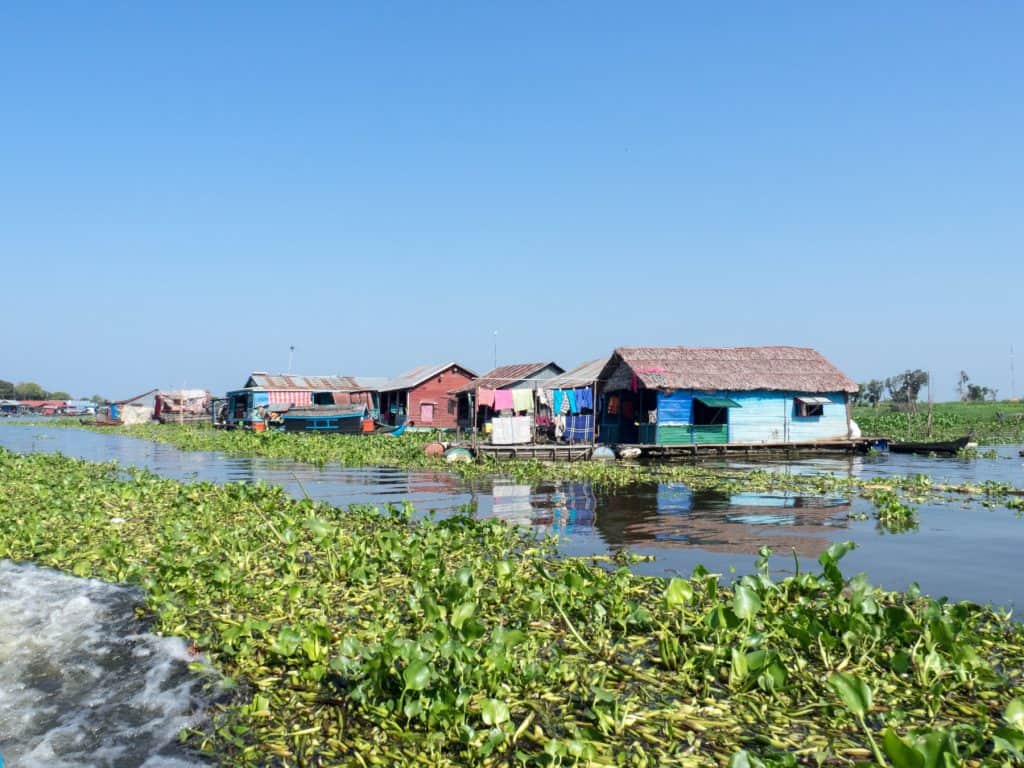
(485, 397)
(503, 400)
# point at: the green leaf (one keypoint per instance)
(856, 695)
(287, 642)
(417, 676)
(745, 602)
(678, 593)
(495, 712)
(463, 612)
(1014, 713)
(744, 759)
(835, 552)
(902, 754)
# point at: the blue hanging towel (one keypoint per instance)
(572, 401)
(558, 401)
(584, 398)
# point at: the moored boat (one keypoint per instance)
(340, 419)
(940, 446)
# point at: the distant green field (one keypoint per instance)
(989, 422)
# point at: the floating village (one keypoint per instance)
(637, 402)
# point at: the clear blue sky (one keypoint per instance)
(186, 189)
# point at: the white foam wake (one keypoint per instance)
(81, 684)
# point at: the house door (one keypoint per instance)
(426, 413)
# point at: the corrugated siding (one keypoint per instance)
(675, 407)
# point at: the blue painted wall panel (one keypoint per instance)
(771, 417)
(832, 423)
(675, 407)
(763, 416)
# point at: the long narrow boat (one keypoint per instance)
(941, 446)
(338, 419)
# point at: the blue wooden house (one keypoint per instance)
(702, 395)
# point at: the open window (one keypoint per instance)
(809, 407)
(712, 411)
(323, 398)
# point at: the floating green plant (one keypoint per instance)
(371, 637)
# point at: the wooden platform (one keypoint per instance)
(537, 451)
(859, 445)
(582, 452)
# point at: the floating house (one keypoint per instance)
(43, 407)
(132, 410)
(10, 407)
(265, 392)
(573, 398)
(504, 401)
(698, 395)
(422, 397)
(183, 406)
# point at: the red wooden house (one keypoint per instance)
(422, 396)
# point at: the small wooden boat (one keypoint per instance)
(941, 446)
(339, 419)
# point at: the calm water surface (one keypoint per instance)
(961, 550)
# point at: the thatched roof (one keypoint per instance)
(790, 369)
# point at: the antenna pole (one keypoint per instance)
(1013, 380)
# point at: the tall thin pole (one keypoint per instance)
(495, 349)
(1013, 380)
(291, 352)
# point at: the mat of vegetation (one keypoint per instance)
(366, 637)
(990, 423)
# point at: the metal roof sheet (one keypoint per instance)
(504, 375)
(581, 376)
(285, 381)
(418, 375)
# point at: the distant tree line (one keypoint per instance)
(30, 390)
(905, 389)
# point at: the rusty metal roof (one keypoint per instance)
(282, 382)
(506, 375)
(418, 375)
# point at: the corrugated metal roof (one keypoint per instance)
(791, 369)
(286, 381)
(418, 375)
(504, 375)
(581, 376)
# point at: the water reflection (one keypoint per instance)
(961, 551)
(721, 522)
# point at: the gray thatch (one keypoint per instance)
(789, 369)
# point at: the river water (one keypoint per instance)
(961, 549)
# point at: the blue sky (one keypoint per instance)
(185, 191)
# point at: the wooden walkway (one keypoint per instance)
(538, 451)
(582, 452)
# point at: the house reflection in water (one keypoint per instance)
(716, 521)
(562, 508)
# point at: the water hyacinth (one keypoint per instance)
(369, 637)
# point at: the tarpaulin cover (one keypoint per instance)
(510, 430)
